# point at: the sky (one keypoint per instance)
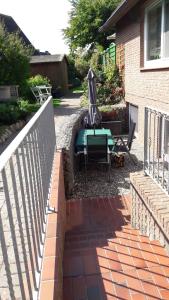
(42, 21)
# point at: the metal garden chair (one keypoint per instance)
(41, 93)
(114, 126)
(124, 143)
(97, 151)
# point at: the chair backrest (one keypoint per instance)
(131, 135)
(41, 93)
(97, 147)
(114, 126)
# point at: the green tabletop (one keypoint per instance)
(81, 140)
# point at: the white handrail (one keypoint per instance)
(5, 156)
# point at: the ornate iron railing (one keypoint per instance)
(25, 174)
(156, 146)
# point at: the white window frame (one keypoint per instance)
(162, 62)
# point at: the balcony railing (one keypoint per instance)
(156, 146)
(25, 174)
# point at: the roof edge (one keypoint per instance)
(36, 59)
(121, 10)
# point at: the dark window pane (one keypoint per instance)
(166, 29)
(166, 137)
(154, 33)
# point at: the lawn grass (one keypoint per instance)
(77, 90)
(56, 102)
(33, 107)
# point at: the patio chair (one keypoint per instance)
(114, 126)
(41, 93)
(97, 151)
(123, 143)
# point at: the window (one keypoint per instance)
(157, 34)
(133, 116)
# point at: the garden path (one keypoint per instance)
(63, 114)
(64, 117)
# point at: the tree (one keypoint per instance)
(14, 59)
(85, 19)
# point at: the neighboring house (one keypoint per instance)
(54, 67)
(11, 26)
(142, 38)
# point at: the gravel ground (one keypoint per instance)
(97, 177)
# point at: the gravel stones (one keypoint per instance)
(97, 177)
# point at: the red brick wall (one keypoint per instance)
(142, 87)
(52, 273)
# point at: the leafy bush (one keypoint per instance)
(14, 59)
(108, 93)
(80, 63)
(96, 61)
(109, 71)
(73, 75)
(11, 113)
(27, 107)
(85, 87)
(109, 85)
(32, 82)
(38, 80)
(84, 101)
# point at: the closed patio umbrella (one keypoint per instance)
(94, 117)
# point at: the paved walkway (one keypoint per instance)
(106, 259)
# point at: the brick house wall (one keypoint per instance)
(55, 71)
(142, 87)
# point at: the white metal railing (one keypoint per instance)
(156, 146)
(25, 174)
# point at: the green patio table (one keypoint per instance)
(81, 140)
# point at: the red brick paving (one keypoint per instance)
(105, 258)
